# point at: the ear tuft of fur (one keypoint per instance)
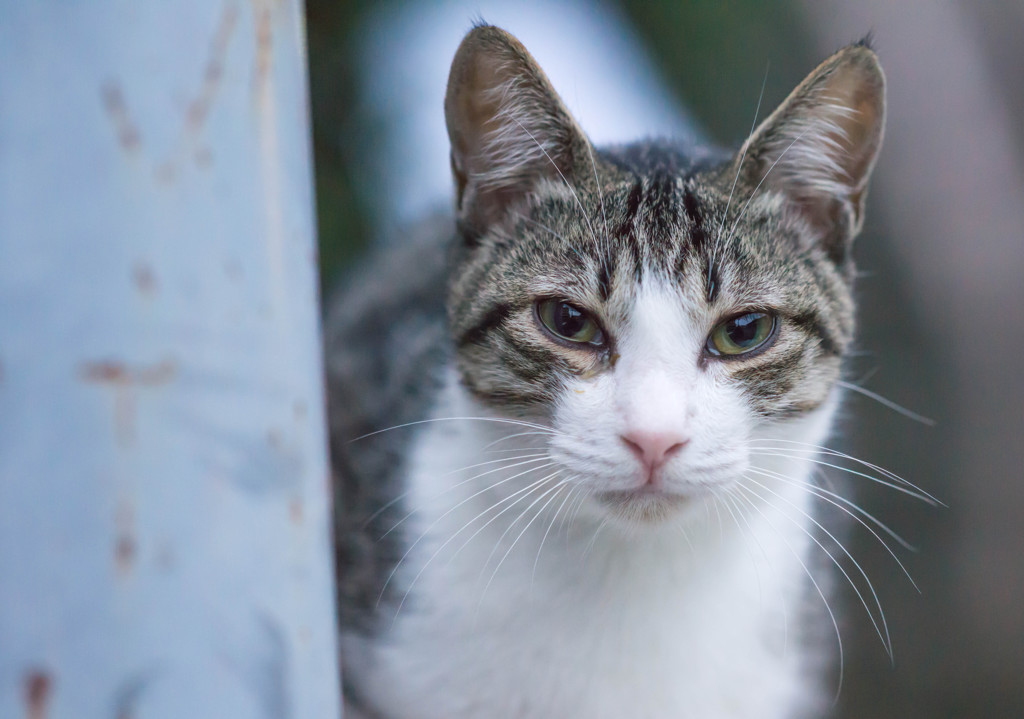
(820, 146)
(867, 41)
(507, 126)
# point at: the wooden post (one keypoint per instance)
(164, 489)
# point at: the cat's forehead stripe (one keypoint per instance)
(700, 241)
(661, 229)
(626, 228)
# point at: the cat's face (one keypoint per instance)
(660, 319)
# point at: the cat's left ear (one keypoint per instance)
(819, 147)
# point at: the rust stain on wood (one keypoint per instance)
(128, 136)
(126, 381)
(38, 687)
(199, 108)
(197, 111)
(117, 373)
(125, 549)
(124, 553)
(264, 42)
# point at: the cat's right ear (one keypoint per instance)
(507, 126)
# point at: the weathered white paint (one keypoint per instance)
(164, 495)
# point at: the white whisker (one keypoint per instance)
(807, 456)
(439, 519)
(753, 562)
(603, 247)
(553, 491)
(558, 511)
(536, 486)
(852, 509)
(814, 583)
(554, 164)
(538, 458)
(403, 495)
(732, 230)
(883, 629)
(528, 489)
(532, 425)
(739, 166)
(885, 402)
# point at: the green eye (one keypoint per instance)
(741, 334)
(569, 323)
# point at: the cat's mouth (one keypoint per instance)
(644, 504)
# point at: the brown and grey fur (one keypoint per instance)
(536, 203)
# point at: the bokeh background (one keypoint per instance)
(942, 260)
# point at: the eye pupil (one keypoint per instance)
(742, 331)
(569, 321)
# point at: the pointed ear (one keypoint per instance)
(820, 145)
(508, 127)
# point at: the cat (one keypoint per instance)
(573, 429)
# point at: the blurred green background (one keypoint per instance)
(941, 294)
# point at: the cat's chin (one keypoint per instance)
(643, 506)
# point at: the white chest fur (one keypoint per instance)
(552, 616)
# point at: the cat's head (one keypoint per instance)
(661, 315)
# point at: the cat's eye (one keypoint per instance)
(741, 334)
(569, 323)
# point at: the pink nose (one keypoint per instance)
(654, 448)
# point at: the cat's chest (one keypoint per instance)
(522, 609)
(564, 656)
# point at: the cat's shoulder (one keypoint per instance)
(386, 319)
(385, 348)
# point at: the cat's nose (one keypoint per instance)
(653, 449)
